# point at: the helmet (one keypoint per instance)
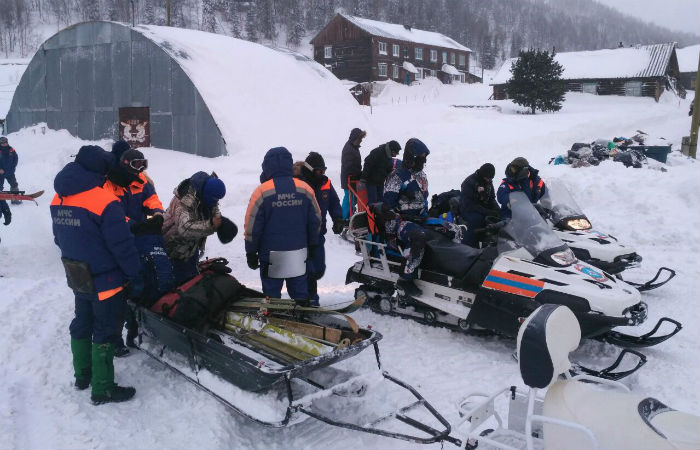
(315, 160)
(133, 161)
(3, 140)
(518, 169)
(414, 154)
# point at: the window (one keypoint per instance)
(463, 78)
(444, 57)
(462, 60)
(395, 73)
(589, 88)
(433, 55)
(395, 50)
(633, 88)
(419, 73)
(405, 53)
(452, 58)
(419, 53)
(382, 69)
(328, 51)
(382, 48)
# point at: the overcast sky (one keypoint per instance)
(682, 15)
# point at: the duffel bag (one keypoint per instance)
(200, 299)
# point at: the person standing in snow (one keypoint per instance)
(519, 177)
(193, 214)
(477, 201)
(378, 165)
(313, 171)
(350, 169)
(282, 226)
(102, 267)
(405, 201)
(8, 164)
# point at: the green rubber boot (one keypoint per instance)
(82, 362)
(104, 390)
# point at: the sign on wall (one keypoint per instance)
(135, 126)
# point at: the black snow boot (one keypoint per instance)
(115, 394)
(408, 287)
(120, 350)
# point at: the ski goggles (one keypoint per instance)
(138, 165)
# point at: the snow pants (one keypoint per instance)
(99, 320)
(374, 193)
(10, 177)
(413, 238)
(315, 268)
(473, 221)
(348, 205)
(297, 287)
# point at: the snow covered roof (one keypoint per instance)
(688, 58)
(401, 33)
(629, 62)
(409, 67)
(259, 96)
(452, 70)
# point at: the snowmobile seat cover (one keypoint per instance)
(445, 256)
(617, 419)
(545, 340)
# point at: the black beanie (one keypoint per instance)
(119, 147)
(487, 171)
(394, 147)
(227, 230)
(315, 160)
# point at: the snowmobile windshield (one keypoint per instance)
(563, 209)
(527, 229)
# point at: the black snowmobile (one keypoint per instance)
(276, 356)
(495, 288)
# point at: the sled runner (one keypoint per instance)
(277, 355)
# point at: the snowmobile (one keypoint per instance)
(496, 287)
(596, 248)
(272, 360)
(575, 412)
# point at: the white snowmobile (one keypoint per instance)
(495, 288)
(580, 412)
(592, 246)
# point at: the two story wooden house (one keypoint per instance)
(362, 50)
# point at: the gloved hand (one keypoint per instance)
(136, 286)
(253, 262)
(338, 225)
(153, 225)
(312, 251)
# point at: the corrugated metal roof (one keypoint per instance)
(642, 61)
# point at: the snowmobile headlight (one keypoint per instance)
(565, 258)
(578, 224)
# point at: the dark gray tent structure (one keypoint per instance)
(93, 76)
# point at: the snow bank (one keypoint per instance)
(688, 58)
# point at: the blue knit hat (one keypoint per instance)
(213, 191)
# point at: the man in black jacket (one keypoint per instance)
(378, 165)
(477, 201)
(350, 167)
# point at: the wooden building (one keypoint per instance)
(688, 65)
(640, 71)
(365, 50)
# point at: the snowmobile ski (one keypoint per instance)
(20, 195)
(609, 372)
(645, 340)
(651, 284)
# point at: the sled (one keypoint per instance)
(256, 366)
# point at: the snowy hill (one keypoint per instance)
(11, 71)
(656, 209)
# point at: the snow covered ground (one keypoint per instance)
(11, 71)
(656, 209)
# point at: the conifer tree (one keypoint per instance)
(536, 82)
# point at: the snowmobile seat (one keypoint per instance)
(450, 258)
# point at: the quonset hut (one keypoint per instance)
(173, 88)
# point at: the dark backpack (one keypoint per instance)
(440, 203)
(201, 299)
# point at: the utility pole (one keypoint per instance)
(167, 12)
(696, 116)
(133, 14)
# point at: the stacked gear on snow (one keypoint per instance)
(585, 155)
(441, 203)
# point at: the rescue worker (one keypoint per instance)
(519, 177)
(8, 164)
(193, 214)
(351, 169)
(282, 226)
(314, 173)
(128, 181)
(102, 267)
(378, 165)
(478, 201)
(405, 201)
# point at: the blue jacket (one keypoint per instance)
(283, 213)
(8, 159)
(533, 187)
(89, 223)
(407, 192)
(328, 202)
(138, 200)
(477, 198)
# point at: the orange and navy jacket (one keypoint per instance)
(533, 187)
(328, 202)
(283, 213)
(8, 159)
(139, 200)
(89, 226)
